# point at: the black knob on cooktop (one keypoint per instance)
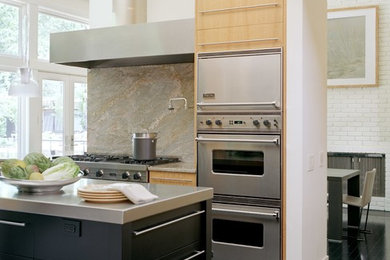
(267, 123)
(208, 122)
(218, 122)
(125, 175)
(99, 173)
(137, 176)
(256, 122)
(85, 172)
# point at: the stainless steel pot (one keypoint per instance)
(144, 146)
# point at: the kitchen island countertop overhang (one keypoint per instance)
(67, 204)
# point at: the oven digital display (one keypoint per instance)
(238, 122)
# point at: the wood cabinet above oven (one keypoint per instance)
(239, 24)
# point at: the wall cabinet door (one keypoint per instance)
(239, 24)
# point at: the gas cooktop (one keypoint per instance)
(123, 159)
(117, 167)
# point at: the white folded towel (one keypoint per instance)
(136, 193)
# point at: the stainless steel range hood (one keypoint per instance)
(127, 45)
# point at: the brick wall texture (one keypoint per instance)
(359, 118)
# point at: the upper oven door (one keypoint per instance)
(240, 165)
(246, 80)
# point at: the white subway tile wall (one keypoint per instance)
(359, 118)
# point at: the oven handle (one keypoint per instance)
(273, 141)
(276, 104)
(275, 214)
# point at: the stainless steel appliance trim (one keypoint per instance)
(239, 8)
(240, 41)
(137, 233)
(224, 54)
(250, 184)
(274, 103)
(195, 255)
(170, 179)
(275, 214)
(202, 139)
(12, 223)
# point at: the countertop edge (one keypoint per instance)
(161, 206)
(100, 212)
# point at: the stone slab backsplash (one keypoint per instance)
(126, 100)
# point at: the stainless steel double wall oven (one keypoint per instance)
(239, 127)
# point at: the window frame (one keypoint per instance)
(68, 108)
(58, 14)
(21, 124)
(9, 58)
(30, 109)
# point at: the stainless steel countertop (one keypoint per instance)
(67, 204)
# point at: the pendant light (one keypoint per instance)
(24, 85)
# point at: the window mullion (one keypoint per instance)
(33, 35)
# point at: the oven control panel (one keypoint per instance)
(239, 122)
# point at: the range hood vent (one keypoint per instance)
(126, 45)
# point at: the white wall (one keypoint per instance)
(100, 14)
(75, 7)
(359, 118)
(163, 10)
(306, 216)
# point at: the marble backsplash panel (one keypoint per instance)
(126, 100)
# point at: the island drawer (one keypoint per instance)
(169, 235)
(16, 236)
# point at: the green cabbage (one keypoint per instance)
(18, 172)
(61, 159)
(39, 160)
(8, 164)
(62, 171)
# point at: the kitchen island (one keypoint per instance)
(63, 226)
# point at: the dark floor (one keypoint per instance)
(375, 246)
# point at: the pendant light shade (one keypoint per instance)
(24, 85)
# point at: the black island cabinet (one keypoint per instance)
(63, 226)
(177, 234)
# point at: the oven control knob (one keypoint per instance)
(218, 122)
(125, 175)
(208, 122)
(137, 176)
(85, 172)
(256, 122)
(267, 123)
(99, 173)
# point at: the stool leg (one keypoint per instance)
(365, 225)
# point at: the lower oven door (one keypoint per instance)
(245, 232)
(240, 165)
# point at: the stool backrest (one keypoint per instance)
(368, 187)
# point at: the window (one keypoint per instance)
(9, 29)
(64, 114)
(80, 118)
(8, 118)
(55, 123)
(50, 24)
(52, 117)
